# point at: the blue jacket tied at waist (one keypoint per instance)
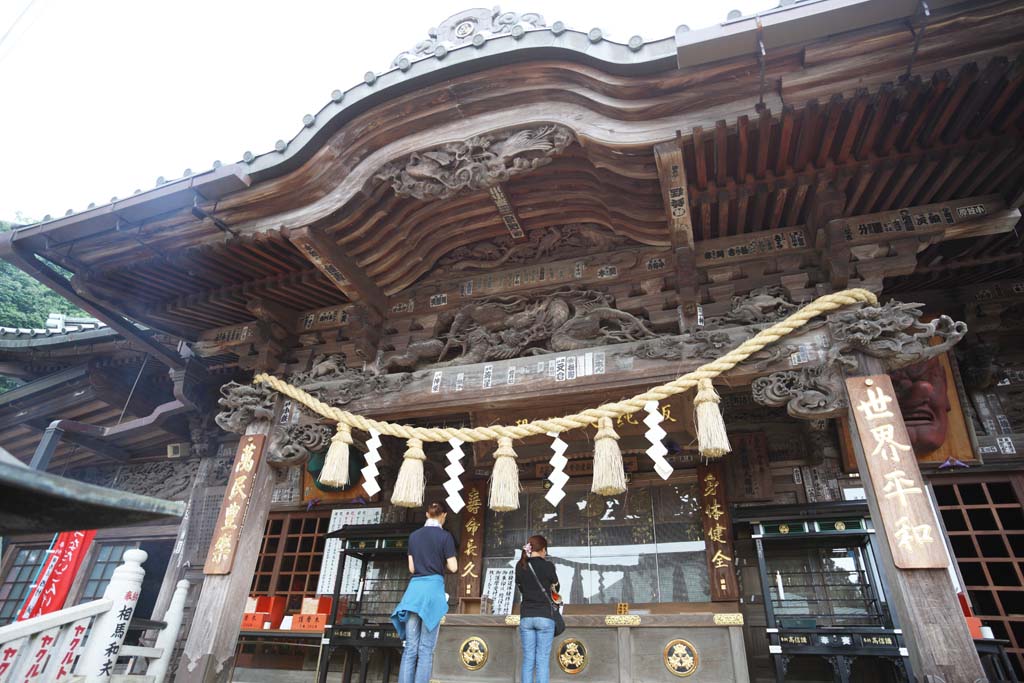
(424, 596)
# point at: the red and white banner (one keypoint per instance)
(55, 577)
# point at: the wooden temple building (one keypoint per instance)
(519, 220)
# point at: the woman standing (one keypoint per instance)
(536, 627)
(418, 616)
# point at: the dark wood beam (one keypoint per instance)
(27, 262)
(339, 267)
(956, 219)
(98, 446)
(672, 175)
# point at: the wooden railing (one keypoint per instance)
(84, 642)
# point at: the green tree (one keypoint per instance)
(25, 302)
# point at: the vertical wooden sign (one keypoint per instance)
(471, 546)
(907, 515)
(236, 502)
(749, 476)
(714, 509)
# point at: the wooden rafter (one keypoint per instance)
(674, 192)
(340, 268)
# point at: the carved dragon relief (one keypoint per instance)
(892, 333)
(475, 164)
(574, 239)
(747, 314)
(241, 404)
(499, 328)
(702, 344)
(463, 28)
(760, 307)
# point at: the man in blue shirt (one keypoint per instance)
(417, 618)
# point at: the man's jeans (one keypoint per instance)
(418, 655)
(536, 634)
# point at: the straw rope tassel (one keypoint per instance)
(609, 473)
(712, 439)
(335, 470)
(505, 478)
(408, 491)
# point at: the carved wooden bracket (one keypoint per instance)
(893, 333)
(809, 393)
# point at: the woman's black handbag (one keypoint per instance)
(556, 616)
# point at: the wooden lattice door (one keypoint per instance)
(985, 522)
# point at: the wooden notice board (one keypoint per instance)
(236, 501)
(908, 519)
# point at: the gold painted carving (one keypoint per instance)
(733, 619)
(473, 653)
(622, 620)
(572, 656)
(681, 658)
(512, 620)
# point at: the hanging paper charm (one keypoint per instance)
(370, 471)
(558, 477)
(655, 434)
(454, 470)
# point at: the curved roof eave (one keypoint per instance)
(590, 48)
(533, 45)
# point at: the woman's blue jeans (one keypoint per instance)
(418, 654)
(536, 635)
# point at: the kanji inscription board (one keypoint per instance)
(914, 534)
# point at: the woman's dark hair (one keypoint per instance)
(537, 543)
(435, 510)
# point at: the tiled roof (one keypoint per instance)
(56, 324)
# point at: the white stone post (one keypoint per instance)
(169, 635)
(109, 629)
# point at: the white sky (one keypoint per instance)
(102, 97)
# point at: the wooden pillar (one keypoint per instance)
(923, 599)
(209, 652)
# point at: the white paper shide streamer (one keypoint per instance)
(370, 472)
(454, 469)
(655, 434)
(558, 477)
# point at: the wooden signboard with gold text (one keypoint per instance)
(471, 540)
(714, 507)
(908, 519)
(236, 501)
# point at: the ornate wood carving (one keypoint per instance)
(242, 404)
(808, 393)
(893, 333)
(704, 344)
(574, 239)
(477, 163)
(761, 306)
(332, 381)
(500, 328)
(465, 27)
